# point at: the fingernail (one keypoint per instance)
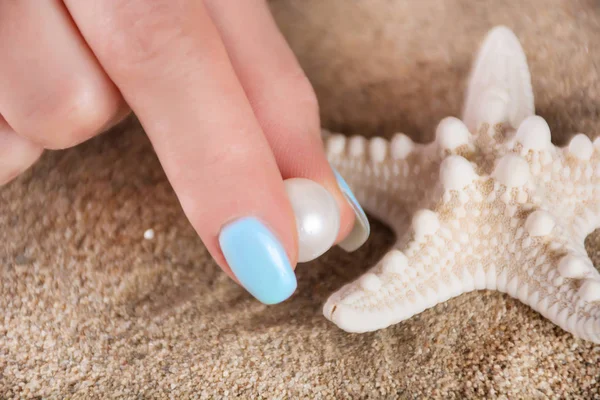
(362, 229)
(258, 260)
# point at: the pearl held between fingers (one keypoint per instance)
(317, 217)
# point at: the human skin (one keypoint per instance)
(228, 109)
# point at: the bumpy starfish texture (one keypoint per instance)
(490, 204)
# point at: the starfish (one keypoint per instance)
(490, 204)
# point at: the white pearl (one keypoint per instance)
(149, 234)
(317, 217)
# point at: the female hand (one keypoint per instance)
(222, 98)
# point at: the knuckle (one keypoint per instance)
(65, 119)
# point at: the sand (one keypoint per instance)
(92, 309)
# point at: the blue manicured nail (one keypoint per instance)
(362, 229)
(258, 260)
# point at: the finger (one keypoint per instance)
(284, 102)
(17, 154)
(52, 89)
(173, 70)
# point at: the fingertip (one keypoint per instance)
(347, 215)
(249, 230)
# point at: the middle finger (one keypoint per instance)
(171, 65)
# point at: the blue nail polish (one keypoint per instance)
(258, 260)
(362, 229)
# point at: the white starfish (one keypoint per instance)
(491, 204)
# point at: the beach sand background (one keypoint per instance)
(90, 309)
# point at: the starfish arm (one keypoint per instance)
(548, 268)
(571, 186)
(436, 263)
(402, 284)
(567, 178)
(558, 280)
(575, 182)
(499, 89)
